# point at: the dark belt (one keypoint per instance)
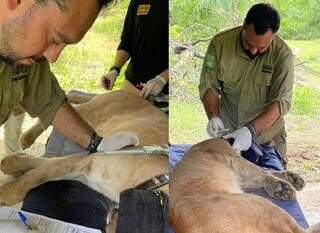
(154, 183)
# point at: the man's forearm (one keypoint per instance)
(70, 124)
(267, 117)
(165, 74)
(210, 102)
(121, 58)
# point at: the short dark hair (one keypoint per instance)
(264, 17)
(63, 4)
(104, 3)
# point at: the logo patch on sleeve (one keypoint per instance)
(267, 69)
(143, 9)
(210, 61)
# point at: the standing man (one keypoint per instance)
(33, 33)
(246, 81)
(144, 40)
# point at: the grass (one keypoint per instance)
(80, 66)
(306, 168)
(306, 50)
(306, 101)
(187, 122)
(112, 20)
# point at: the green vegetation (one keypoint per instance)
(187, 122)
(306, 101)
(80, 66)
(300, 18)
(308, 51)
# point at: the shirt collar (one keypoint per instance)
(239, 46)
(240, 49)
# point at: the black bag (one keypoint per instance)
(69, 201)
(142, 211)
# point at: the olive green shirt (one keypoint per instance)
(33, 87)
(246, 87)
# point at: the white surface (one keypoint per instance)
(9, 223)
(309, 200)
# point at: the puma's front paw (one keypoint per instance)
(279, 189)
(292, 177)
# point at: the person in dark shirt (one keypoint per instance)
(144, 41)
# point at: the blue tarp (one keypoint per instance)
(177, 151)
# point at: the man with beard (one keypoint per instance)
(33, 33)
(246, 82)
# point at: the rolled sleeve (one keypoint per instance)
(282, 83)
(44, 94)
(209, 73)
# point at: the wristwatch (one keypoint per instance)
(116, 68)
(251, 128)
(94, 143)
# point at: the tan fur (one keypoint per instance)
(127, 86)
(108, 174)
(206, 193)
(29, 137)
(115, 117)
(74, 97)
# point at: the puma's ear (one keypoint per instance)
(12, 4)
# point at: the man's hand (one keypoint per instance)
(242, 139)
(153, 87)
(118, 141)
(107, 81)
(214, 126)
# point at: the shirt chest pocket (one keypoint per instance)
(230, 82)
(261, 86)
(231, 87)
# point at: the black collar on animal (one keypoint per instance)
(154, 183)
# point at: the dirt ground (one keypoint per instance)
(304, 158)
(303, 152)
(309, 199)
